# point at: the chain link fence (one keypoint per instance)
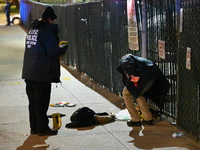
(160, 24)
(188, 115)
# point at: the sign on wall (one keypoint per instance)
(188, 58)
(161, 49)
(132, 26)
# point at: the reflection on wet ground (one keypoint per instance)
(159, 136)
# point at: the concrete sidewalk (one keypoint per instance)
(14, 124)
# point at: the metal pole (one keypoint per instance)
(144, 30)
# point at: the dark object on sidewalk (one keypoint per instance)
(83, 117)
(131, 123)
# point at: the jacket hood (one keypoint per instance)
(128, 63)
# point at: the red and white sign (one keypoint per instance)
(132, 26)
(188, 58)
(161, 49)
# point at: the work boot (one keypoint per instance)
(131, 123)
(47, 132)
(150, 122)
(33, 131)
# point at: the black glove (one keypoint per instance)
(63, 47)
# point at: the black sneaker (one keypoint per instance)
(131, 123)
(33, 131)
(48, 132)
(150, 122)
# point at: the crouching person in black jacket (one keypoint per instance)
(41, 67)
(142, 79)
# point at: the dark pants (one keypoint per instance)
(8, 18)
(39, 98)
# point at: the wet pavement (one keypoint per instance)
(14, 124)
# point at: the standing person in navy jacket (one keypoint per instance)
(41, 67)
(142, 79)
(7, 11)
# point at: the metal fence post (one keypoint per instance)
(144, 29)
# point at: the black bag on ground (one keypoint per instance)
(82, 117)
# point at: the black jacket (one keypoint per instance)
(41, 57)
(147, 71)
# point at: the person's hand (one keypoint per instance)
(63, 45)
(129, 76)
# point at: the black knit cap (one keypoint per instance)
(49, 13)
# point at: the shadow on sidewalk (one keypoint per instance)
(33, 140)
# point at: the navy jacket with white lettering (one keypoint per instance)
(41, 57)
